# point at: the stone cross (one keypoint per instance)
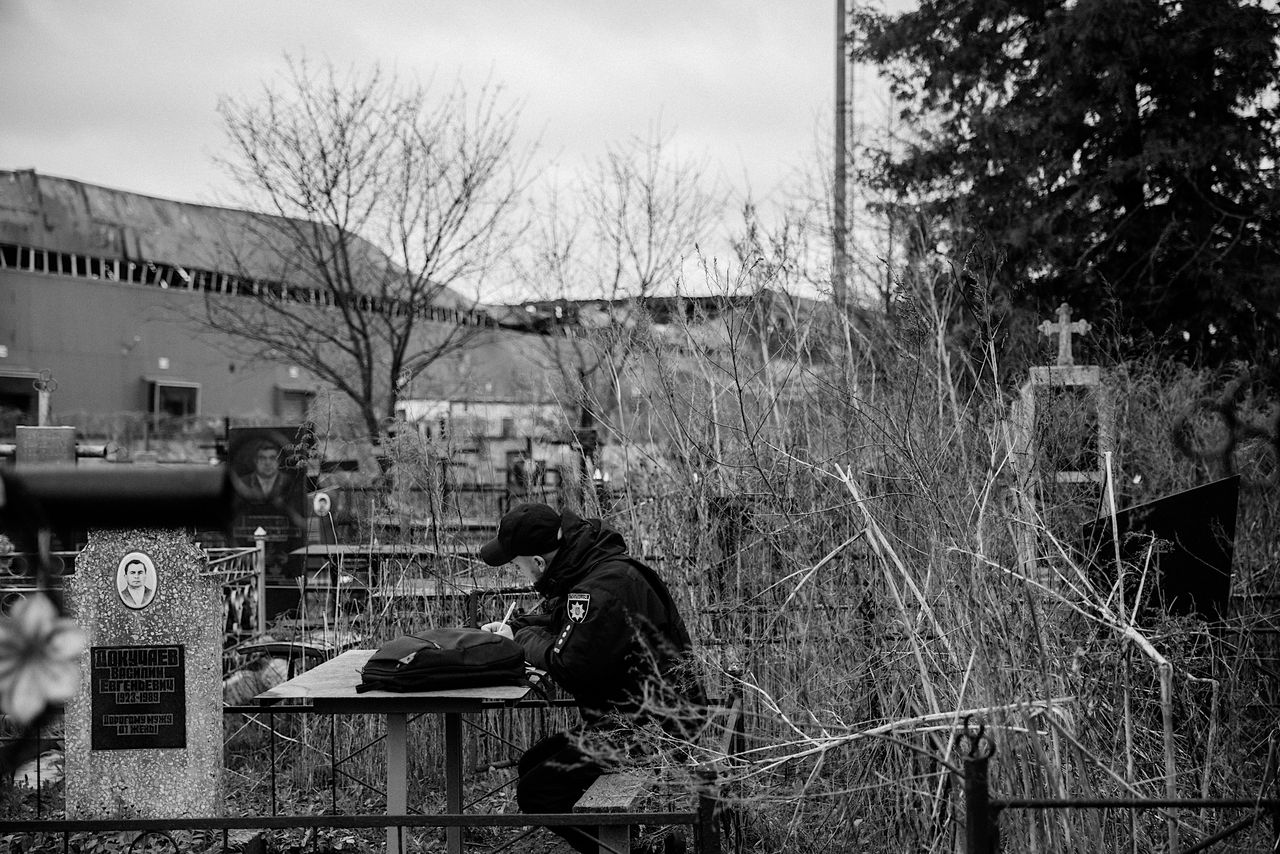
(1063, 329)
(45, 386)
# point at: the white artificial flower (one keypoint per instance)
(39, 658)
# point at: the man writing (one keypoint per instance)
(607, 631)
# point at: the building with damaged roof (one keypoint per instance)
(100, 288)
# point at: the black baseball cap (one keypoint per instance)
(526, 529)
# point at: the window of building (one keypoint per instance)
(18, 401)
(292, 404)
(173, 398)
(524, 473)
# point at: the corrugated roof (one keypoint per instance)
(65, 215)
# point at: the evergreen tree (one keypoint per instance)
(1118, 154)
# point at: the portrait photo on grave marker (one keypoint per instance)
(136, 580)
(270, 483)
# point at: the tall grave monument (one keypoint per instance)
(1082, 393)
(144, 734)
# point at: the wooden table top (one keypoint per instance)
(331, 686)
(388, 550)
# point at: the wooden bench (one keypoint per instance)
(615, 793)
(624, 791)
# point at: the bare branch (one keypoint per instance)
(377, 210)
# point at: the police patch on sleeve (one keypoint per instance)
(577, 606)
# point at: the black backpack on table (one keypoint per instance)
(437, 659)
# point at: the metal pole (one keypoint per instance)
(333, 763)
(839, 268)
(271, 724)
(1170, 760)
(260, 559)
(978, 818)
(39, 773)
(397, 777)
(890, 222)
(706, 831)
(453, 777)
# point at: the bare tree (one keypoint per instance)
(620, 236)
(374, 206)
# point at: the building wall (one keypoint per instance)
(97, 288)
(104, 342)
(490, 418)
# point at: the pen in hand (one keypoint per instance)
(502, 628)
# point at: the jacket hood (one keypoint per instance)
(586, 543)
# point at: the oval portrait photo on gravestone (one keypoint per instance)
(136, 580)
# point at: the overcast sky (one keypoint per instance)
(123, 92)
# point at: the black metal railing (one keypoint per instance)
(699, 816)
(983, 812)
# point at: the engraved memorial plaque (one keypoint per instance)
(138, 697)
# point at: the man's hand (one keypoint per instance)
(499, 629)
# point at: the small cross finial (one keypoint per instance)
(1063, 329)
(45, 382)
(45, 386)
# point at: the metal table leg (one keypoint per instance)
(397, 775)
(453, 777)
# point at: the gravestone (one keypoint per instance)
(144, 734)
(1065, 374)
(45, 445)
(1189, 540)
(1081, 461)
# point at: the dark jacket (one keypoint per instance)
(608, 628)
